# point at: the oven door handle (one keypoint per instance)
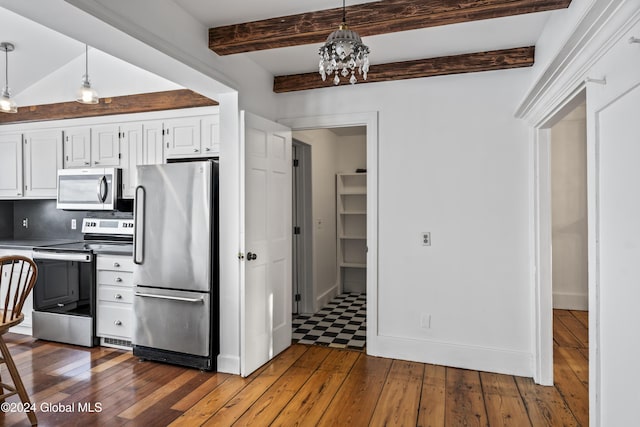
(59, 256)
(138, 225)
(139, 294)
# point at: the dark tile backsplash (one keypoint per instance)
(6, 219)
(45, 221)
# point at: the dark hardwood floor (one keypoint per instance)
(305, 385)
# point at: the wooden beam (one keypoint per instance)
(385, 16)
(139, 103)
(467, 63)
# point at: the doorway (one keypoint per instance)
(569, 241)
(330, 236)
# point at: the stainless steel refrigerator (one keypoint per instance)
(176, 264)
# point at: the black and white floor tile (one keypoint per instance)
(342, 323)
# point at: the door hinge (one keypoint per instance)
(295, 163)
(296, 230)
(119, 155)
(298, 297)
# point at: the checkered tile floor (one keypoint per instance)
(341, 324)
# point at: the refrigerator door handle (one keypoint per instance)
(138, 225)
(139, 294)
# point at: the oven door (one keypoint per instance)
(64, 282)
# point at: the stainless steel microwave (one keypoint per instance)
(93, 189)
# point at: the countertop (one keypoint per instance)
(125, 249)
(27, 244)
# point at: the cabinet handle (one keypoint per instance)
(117, 323)
(118, 296)
(19, 194)
(118, 279)
(195, 150)
(207, 149)
(96, 162)
(86, 163)
(115, 264)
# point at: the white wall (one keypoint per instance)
(569, 211)
(452, 161)
(353, 152)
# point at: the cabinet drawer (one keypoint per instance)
(115, 294)
(117, 263)
(114, 320)
(115, 278)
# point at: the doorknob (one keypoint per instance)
(251, 256)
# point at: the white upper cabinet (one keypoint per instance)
(77, 147)
(11, 166)
(131, 144)
(105, 145)
(211, 135)
(152, 150)
(182, 137)
(42, 159)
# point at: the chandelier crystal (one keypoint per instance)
(343, 53)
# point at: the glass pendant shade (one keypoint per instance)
(343, 53)
(86, 94)
(7, 105)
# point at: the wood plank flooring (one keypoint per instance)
(303, 386)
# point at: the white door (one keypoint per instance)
(265, 305)
(131, 153)
(614, 269)
(77, 147)
(182, 137)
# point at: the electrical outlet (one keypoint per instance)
(25, 222)
(426, 238)
(425, 321)
(73, 224)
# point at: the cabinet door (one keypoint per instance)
(211, 135)
(131, 145)
(11, 166)
(182, 137)
(152, 151)
(42, 159)
(105, 146)
(77, 147)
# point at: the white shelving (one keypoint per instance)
(351, 220)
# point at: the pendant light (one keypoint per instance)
(7, 105)
(87, 94)
(343, 53)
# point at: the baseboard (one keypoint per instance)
(22, 330)
(323, 299)
(454, 355)
(229, 364)
(570, 301)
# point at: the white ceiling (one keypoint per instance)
(41, 51)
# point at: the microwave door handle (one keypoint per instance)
(102, 189)
(138, 225)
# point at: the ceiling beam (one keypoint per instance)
(139, 103)
(385, 16)
(457, 64)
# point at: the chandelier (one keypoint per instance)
(343, 53)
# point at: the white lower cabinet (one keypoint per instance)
(24, 327)
(114, 279)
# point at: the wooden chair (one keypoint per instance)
(17, 276)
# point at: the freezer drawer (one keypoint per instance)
(172, 320)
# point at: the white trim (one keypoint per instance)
(370, 120)
(322, 300)
(478, 358)
(228, 364)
